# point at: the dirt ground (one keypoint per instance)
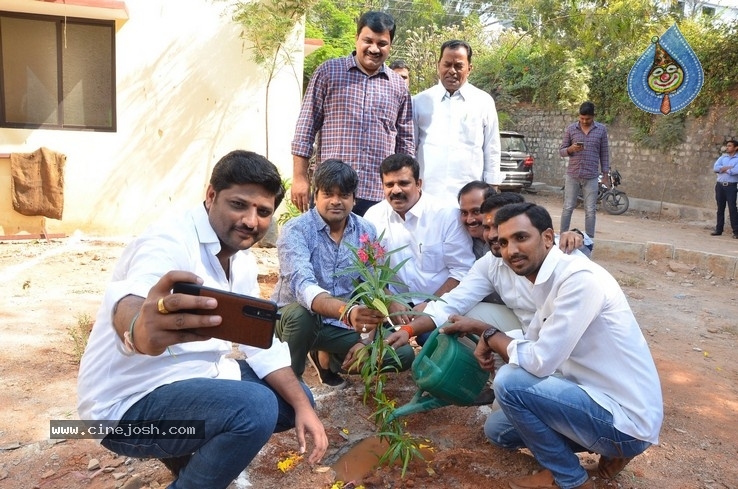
(689, 317)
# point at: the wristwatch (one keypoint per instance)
(489, 333)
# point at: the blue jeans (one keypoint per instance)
(240, 417)
(589, 187)
(554, 418)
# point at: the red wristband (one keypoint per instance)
(408, 329)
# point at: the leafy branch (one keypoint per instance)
(371, 263)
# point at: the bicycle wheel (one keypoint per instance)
(615, 202)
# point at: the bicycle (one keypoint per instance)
(614, 201)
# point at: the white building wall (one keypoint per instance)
(725, 11)
(187, 93)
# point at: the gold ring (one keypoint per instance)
(161, 307)
(363, 329)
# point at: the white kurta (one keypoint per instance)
(457, 139)
(435, 243)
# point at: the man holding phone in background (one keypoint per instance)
(585, 144)
(144, 365)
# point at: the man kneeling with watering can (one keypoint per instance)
(444, 362)
(582, 377)
(488, 275)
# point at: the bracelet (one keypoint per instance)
(347, 316)
(408, 329)
(129, 346)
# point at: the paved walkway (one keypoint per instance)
(640, 235)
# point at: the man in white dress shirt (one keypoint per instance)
(457, 136)
(143, 365)
(511, 306)
(582, 377)
(437, 245)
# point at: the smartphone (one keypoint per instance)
(246, 320)
(580, 144)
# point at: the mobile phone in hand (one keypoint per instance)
(246, 320)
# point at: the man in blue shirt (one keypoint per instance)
(726, 168)
(585, 144)
(313, 248)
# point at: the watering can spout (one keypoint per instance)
(420, 402)
(446, 372)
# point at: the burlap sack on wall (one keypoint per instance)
(37, 183)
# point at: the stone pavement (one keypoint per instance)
(679, 233)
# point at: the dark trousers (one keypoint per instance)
(361, 206)
(726, 195)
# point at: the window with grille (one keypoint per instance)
(57, 72)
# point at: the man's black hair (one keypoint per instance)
(455, 44)
(378, 22)
(495, 201)
(733, 141)
(399, 161)
(538, 215)
(587, 108)
(334, 173)
(399, 64)
(473, 185)
(241, 167)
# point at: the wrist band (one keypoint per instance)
(408, 329)
(347, 316)
(129, 347)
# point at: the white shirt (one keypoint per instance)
(488, 274)
(436, 245)
(109, 381)
(457, 139)
(585, 331)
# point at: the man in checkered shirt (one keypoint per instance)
(361, 111)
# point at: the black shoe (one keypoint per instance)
(326, 375)
(487, 396)
(715, 233)
(176, 464)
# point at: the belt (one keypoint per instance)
(727, 184)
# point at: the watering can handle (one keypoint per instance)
(431, 343)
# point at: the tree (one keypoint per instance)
(269, 27)
(334, 22)
(420, 24)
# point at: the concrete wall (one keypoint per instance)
(187, 93)
(681, 176)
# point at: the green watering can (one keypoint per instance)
(446, 373)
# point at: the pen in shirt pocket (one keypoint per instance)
(420, 247)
